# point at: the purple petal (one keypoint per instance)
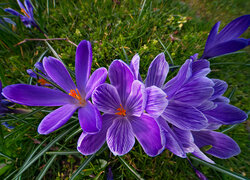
(219, 88)
(181, 78)
(90, 143)
(222, 145)
(56, 119)
(21, 5)
(13, 12)
(98, 77)
(145, 127)
(184, 116)
(207, 105)
(200, 68)
(225, 48)
(31, 73)
(226, 114)
(198, 153)
(172, 142)
(195, 92)
(106, 98)
(8, 20)
(186, 139)
(212, 36)
(136, 101)
(58, 73)
(29, 7)
(120, 137)
(156, 101)
(90, 118)
(122, 78)
(135, 65)
(39, 66)
(83, 64)
(36, 96)
(157, 71)
(234, 29)
(221, 99)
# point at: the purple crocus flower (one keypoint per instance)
(218, 111)
(77, 97)
(123, 103)
(40, 81)
(4, 103)
(27, 17)
(227, 41)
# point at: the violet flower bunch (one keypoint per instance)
(227, 41)
(27, 17)
(188, 107)
(123, 103)
(75, 98)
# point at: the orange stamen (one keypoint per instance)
(24, 12)
(42, 82)
(122, 112)
(76, 94)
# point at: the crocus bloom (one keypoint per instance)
(40, 81)
(76, 97)
(227, 41)
(195, 103)
(27, 17)
(123, 103)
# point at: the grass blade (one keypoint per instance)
(137, 176)
(219, 168)
(83, 165)
(23, 168)
(43, 172)
(62, 152)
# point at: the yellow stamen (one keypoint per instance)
(42, 82)
(122, 112)
(24, 12)
(76, 94)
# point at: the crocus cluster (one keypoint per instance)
(180, 115)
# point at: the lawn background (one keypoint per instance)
(118, 30)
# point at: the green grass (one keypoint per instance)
(116, 31)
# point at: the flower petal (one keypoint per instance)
(225, 48)
(135, 65)
(136, 101)
(145, 127)
(36, 96)
(106, 98)
(181, 78)
(12, 11)
(184, 116)
(21, 5)
(222, 145)
(120, 137)
(122, 78)
(29, 7)
(58, 73)
(172, 142)
(200, 68)
(157, 71)
(156, 101)
(212, 36)
(195, 92)
(90, 118)
(98, 77)
(56, 119)
(234, 29)
(83, 64)
(198, 153)
(219, 88)
(226, 114)
(186, 139)
(90, 143)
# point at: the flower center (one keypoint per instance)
(76, 94)
(24, 12)
(42, 82)
(121, 111)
